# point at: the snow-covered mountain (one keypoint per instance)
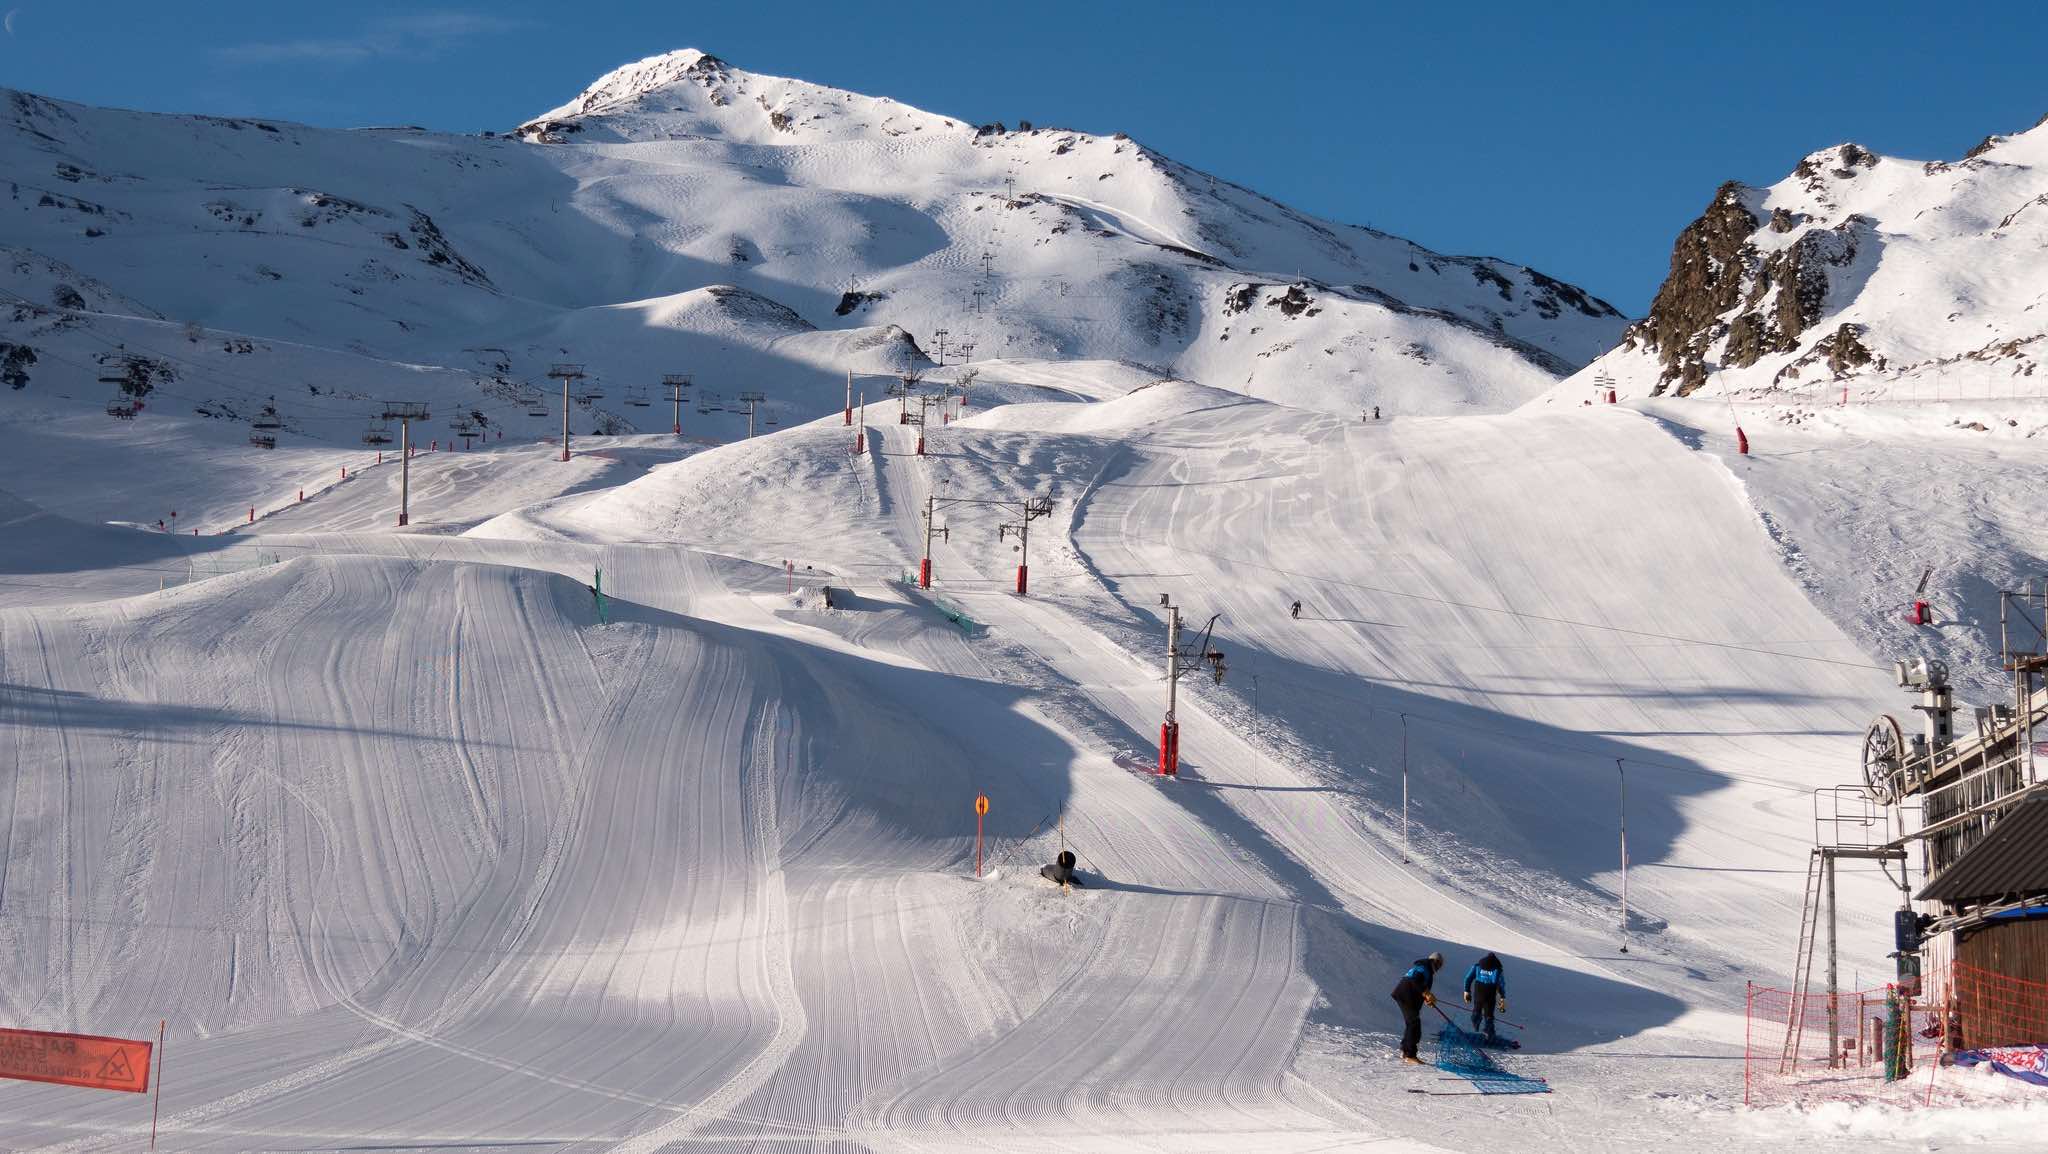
(1900, 278)
(684, 216)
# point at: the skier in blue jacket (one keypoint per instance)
(1411, 993)
(1486, 986)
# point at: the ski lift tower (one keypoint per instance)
(901, 390)
(675, 383)
(124, 406)
(405, 413)
(924, 403)
(752, 401)
(567, 372)
(1179, 660)
(1028, 511)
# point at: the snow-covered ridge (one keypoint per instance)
(690, 92)
(1896, 277)
(682, 216)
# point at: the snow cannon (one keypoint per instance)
(1919, 614)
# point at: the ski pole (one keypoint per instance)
(1504, 1022)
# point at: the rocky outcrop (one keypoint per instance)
(1709, 264)
(1723, 290)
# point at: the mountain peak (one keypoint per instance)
(691, 93)
(652, 74)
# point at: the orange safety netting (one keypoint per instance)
(1888, 1043)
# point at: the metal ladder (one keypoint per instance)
(1802, 965)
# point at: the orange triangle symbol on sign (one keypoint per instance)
(117, 1069)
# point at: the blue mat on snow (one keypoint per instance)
(1460, 1053)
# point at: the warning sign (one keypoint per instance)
(75, 1060)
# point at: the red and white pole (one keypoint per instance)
(849, 397)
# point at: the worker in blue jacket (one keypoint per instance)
(1486, 986)
(1411, 993)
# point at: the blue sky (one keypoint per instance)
(1574, 137)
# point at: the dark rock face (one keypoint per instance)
(849, 301)
(1721, 284)
(1707, 272)
(14, 362)
(1844, 349)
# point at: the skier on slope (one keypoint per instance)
(1486, 986)
(1411, 993)
(1295, 612)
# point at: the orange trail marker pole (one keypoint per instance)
(980, 810)
(157, 1105)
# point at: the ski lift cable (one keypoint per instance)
(1527, 616)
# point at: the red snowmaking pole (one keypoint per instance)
(849, 397)
(860, 431)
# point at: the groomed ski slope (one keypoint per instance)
(411, 849)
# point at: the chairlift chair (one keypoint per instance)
(267, 419)
(263, 440)
(378, 433)
(121, 408)
(637, 398)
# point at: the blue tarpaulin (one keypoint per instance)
(1463, 1054)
